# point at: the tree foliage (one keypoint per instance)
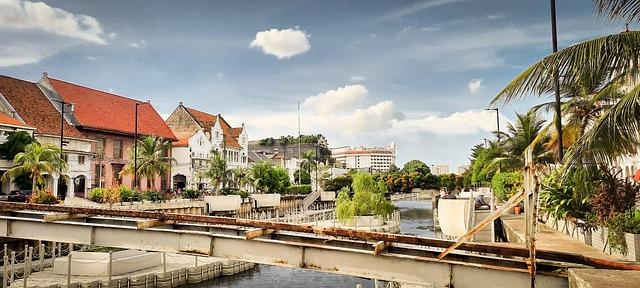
(368, 198)
(36, 160)
(416, 166)
(152, 158)
(268, 178)
(17, 142)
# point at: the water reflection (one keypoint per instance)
(416, 217)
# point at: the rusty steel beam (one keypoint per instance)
(329, 231)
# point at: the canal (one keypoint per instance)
(416, 219)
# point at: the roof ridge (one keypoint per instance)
(95, 89)
(15, 78)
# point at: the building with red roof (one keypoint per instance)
(24, 106)
(109, 119)
(198, 134)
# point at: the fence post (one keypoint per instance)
(25, 267)
(110, 267)
(13, 260)
(69, 270)
(5, 250)
(60, 249)
(196, 261)
(53, 250)
(30, 259)
(41, 250)
(164, 262)
(4, 269)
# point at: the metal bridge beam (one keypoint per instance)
(344, 258)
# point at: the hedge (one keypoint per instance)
(299, 190)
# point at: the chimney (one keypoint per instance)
(45, 74)
(180, 103)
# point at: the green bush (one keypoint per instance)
(507, 184)
(191, 194)
(336, 184)
(233, 191)
(43, 196)
(368, 198)
(129, 195)
(299, 189)
(97, 194)
(627, 222)
(152, 195)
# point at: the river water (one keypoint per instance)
(416, 219)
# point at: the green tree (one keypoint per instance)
(268, 178)
(416, 166)
(284, 142)
(17, 141)
(35, 160)
(302, 176)
(308, 161)
(519, 136)
(217, 170)
(448, 181)
(241, 176)
(152, 159)
(368, 198)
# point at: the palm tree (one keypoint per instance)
(152, 159)
(520, 136)
(616, 59)
(259, 175)
(308, 160)
(284, 142)
(241, 176)
(35, 160)
(217, 169)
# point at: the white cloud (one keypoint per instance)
(112, 35)
(357, 78)
(373, 119)
(341, 99)
(282, 43)
(25, 15)
(32, 31)
(139, 44)
(418, 7)
(458, 123)
(474, 85)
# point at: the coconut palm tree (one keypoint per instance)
(241, 176)
(520, 136)
(217, 169)
(35, 160)
(308, 160)
(152, 159)
(628, 10)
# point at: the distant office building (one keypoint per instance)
(462, 168)
(440, 169)
(366, 158)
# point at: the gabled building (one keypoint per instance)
(25, 107)
(109, 120)
(198, 134)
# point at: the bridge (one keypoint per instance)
(374, 255)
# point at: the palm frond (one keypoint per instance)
(604, 57)
(627, 10)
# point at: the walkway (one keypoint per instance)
(550, 239)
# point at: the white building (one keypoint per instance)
(462, 168)
(199, 134)
(440, 169)
(366, 158)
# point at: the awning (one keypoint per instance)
(637, 176)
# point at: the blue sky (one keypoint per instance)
(418, 73)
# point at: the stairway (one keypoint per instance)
(309, 199)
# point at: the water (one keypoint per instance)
(417, 219)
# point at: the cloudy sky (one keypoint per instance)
(419, 73)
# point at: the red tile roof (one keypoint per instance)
(8, 120)
(207, 121)
(182, 142)
(102, 111)
(34, 107)
(236, 132)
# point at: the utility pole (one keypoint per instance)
(299, 144)
(556, 81)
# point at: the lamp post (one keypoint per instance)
(62, 104)
(135, 146)
(556, 82)
(497, 120)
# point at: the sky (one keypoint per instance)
(418, 73)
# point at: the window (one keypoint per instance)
(65, 157)
(81, 159)
(100, 146)
(98, 174)
(117, 149)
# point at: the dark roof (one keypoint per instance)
(34, 107)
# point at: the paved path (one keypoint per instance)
(551, 239)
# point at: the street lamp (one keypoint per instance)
(556, 81)
(135, 146)
(497, 120)
(62, 104)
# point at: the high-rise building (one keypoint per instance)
(440, 169)
(366, 158)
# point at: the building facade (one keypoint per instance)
(109, 121)
(366, 158)
(440, 169)
(26, 103)
(199, 133)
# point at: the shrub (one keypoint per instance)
(43, 196)
(613, 196)
(336, 184)
(111, 195)
(299, 189)
(507, 184)
(627, 222)
(152, 195)
(368, 198)
(97, 194)
(128, 195)
(233, 191)
(191, 194)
